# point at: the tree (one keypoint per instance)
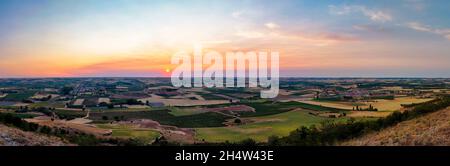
(66, 90)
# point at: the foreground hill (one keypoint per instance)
(10, 136)
(431, 129)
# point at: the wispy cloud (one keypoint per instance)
(372, 14)
(426, 28)
(249, 34)
(417, 5)
(237, 14)
(316, 39)
(272, 25)
(369, 28)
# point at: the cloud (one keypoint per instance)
(216, 41)
(417, 5)
(372, 14)
(250, 34)
(237, 14)
(324, 39)
(426, 28)
(419, 27)
(272, 25)
(369, 27)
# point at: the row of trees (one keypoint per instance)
(370, 108)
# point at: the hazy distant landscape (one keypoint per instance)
(148, 111)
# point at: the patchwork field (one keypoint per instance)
(381, 104)
(181, 102)
(262, 127)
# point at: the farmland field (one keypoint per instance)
(18, 96)
(263, 127)
(208, 119)
(124, 131)
(48, 104)
(381, 104)
(185, 111)
(393, 105)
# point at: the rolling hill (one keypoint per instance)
(431, 129)
(10, 136)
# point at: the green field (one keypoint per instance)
(18, 96)
(269, 108)
(263, 127)
(54, 104)
(124, 131)
(185, 111)
(208, 119)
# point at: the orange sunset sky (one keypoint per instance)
(50, 38)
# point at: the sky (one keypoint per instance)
(136, 38)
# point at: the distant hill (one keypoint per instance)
(10, 136)
(431, 129)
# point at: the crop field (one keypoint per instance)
(18, 96)
(393, 105)
(208, 119)
(262, 127)
(334, 104)
(185, 111)
(124, 131)
(55, 104)
(381, 104)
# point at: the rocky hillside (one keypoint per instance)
(10, 136)
(431, 129)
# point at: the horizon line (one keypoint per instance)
(349, 77)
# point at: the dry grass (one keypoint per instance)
(381, 105)
(431, 129)
(76, 125)
(394, 105)
(10, 136)
(340, 105)
(368, 114)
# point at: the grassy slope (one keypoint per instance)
(431, 129)
(12, 136)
